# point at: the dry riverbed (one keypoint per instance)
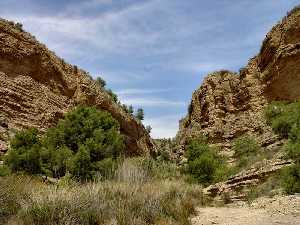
(284, 210)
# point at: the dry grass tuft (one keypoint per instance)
(133, 198)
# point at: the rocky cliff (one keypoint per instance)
(37, 88)
(228, 105)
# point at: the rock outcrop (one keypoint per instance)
(251, 177)
(37, 88)
(228, 105)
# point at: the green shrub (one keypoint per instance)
(130, 109)
(291, 179)
(246, 151)
(106, 168)
(77, 144)
(139, 114)
(284, 118)
(101, 82)
(80, 164)
(24, 153)
(4, 170)
(293, 150)
(160, 169)
(204, 164)
(245, 146)
(148, 129)
(203, 168)
(112, 95)
(285, 121)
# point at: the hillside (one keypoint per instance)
(37, 88)
(71, 153)
(228, 105)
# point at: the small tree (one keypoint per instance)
(204, 164)
(125, 108)
(139, 114)
(80, 165)
(130, 109)
(19, 26)
(101, 82)
(148, 129)
(291, 179)
(24, 153)
(112, 95)
(78, 144)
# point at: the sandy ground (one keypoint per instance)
(282, 211)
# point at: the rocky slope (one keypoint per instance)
(228, 105)
(37, 87)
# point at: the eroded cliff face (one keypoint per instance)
(228, 105)
(37, 88)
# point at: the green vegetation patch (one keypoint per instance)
(284, 118)
(246, 152)
(204, 164)
(83, 143)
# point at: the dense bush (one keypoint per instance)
(284, 118)
(245, 146)
(291, 179)
(4, 170)
(204, 164)
(246, 151)
(82, 139)
(25, 152)
(285, 121)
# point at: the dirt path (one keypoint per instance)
(281, 211)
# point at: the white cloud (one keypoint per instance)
(134, 91)
(121, 77)
(198, 67)
(129, 30)
(164, 126)
(158, 102)
(85, 5)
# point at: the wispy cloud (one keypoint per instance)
(140, 46)
(134, 91)
(152, 102)
(119, 77)
(165, 126)
(117, 31)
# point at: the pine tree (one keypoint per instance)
(139, 114)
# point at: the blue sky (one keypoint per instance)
(152, 53)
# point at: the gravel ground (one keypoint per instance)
(284, 210)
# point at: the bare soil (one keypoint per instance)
(278, 211)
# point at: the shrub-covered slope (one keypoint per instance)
(37, 88)
(229, 105)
